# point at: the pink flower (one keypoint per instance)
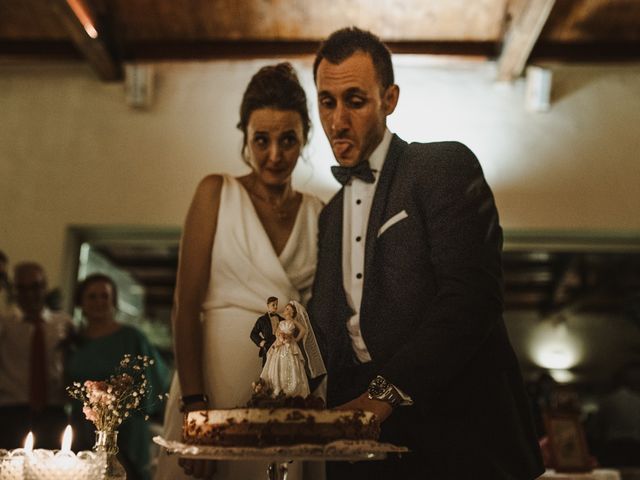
(90, 414)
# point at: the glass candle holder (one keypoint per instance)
(12, 464)
(62, 465)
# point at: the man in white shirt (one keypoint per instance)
(407, 298)
(31, 364)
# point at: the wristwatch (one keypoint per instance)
(380, 389)
(187, 400)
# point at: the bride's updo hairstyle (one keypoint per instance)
(294, 310)
(277, 87)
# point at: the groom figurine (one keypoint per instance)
(407, 297)
(263, 333)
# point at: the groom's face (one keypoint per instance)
(353, 107)
(272, 307)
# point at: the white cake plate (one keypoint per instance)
(278, 457)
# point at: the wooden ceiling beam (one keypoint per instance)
(528, 18)
(89, 33)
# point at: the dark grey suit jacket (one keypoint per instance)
(431, 312)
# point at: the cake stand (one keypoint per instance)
(280, 456)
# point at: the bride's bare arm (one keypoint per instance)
(192, 281)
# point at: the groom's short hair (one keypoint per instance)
(271, 300)
(343, 43)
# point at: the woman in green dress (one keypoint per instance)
(96, 353)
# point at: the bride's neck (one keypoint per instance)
(275, 194)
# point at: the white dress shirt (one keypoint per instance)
(358, 197)
(15, 351)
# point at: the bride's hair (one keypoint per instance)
(294, 309)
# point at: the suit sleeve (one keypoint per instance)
(466, 241)
(255, 333)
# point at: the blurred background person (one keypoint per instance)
(5, 285)
(31, 364)
(95, 353)
(618, 421)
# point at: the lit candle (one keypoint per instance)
(66, 440)
(28, 443)
(12, 462)
(62, 464)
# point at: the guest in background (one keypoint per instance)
(5, 284)
(95, 354)
(31, 364)
(618, 421)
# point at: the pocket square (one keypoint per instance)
(392, 221)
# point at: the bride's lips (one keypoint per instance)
(342, 147)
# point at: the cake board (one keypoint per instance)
(279, 456)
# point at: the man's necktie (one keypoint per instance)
(38, 368)
(362, 171)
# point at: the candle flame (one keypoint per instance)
(66, 439)
(28, 442)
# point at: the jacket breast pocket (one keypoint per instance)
(398, 217)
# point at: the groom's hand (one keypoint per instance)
(381, 409)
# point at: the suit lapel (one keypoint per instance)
(396, 150)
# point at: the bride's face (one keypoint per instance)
(275, 139)
(288, 312)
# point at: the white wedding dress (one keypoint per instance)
(245, 271)
(284, 369)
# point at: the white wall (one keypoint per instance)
(72, 151)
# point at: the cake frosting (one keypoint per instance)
(277, 426)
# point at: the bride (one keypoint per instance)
(284, 369)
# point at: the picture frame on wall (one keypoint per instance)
(567, 443)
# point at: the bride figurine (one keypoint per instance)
(284, 369)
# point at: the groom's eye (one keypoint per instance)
(327, 102)
(356, 101)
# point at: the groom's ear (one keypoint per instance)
(390, 99)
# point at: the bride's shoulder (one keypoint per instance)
(211, 183)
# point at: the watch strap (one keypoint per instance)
(187, 400)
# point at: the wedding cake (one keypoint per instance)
(281, 410)
(269, 421)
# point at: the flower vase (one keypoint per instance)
(107, 447)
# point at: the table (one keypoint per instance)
(279, 456)
(597, 474)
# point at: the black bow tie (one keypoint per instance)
(362, 171)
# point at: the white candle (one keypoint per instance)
(12, 462)
(62, 464)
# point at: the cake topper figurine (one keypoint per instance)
(294, 357)
(264, 331)
(284, 369)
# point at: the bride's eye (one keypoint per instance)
(289, 140)
(261, 141)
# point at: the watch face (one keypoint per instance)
(378, 387)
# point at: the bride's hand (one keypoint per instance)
(204, 469)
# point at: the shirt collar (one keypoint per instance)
(376, 160)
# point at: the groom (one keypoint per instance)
(407, 298)
(263, 333)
